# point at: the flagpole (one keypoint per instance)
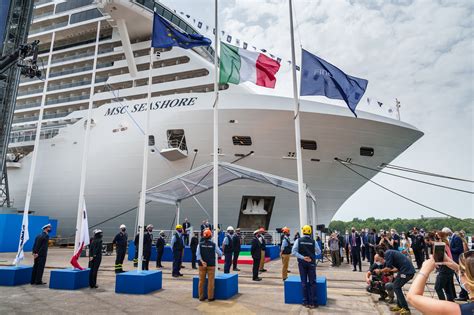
(85, 151)
(34, 157)
(299, 163)
(141, 206)
(215, 178)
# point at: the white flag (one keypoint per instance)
(83, 239)
(24, 237)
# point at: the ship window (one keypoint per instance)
(85, 15)
(69, 5)
(309, 145)
(366, 151)
(176, 139)
(151, 140)
(242, 140)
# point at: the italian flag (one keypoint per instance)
(238, 65)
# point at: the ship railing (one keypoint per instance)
(30, 135)
(40, 2)
(47, 28)
(27, 105)
(26, 92)
(68, 85)
(34, 118)
(67, 99)
(60, 73)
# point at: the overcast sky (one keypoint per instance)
(421, 52)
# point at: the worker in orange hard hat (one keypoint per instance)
(206, 256)
(285, 252)
(261, 238)
(177, 246)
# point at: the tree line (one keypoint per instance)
(400, 225)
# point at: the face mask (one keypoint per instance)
(231, 232)
(179, 231)
(378, 263)
(123, 230)
(353, 231)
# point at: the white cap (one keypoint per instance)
(45, 226)
(230, 228)
(256, 231)
(447, 230)
(97, 231)
(149, 226)
(122, 226)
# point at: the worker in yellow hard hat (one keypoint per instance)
(285, 252)
(305, 250)
(177, 246)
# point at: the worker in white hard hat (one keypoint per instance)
(120, 241)
(228, 249)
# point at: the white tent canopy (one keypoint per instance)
(199, 180)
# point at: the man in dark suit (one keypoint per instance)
(347, 247)
(256, 251)
(160, 248)
(236, 244)
(40, 252)
(372, 243)
(355, 242)
(194, 246)
(457, 248)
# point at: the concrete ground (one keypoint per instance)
(346, 292)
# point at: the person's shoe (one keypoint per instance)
(257, 279)
(210, 300)
(41, 283)
(304, 305)
(285, 279)
(263, 270)
(203, 299)
(194, 267)
(315, 305)
(360, 270)
(236, 269)
(94, 287)
(180, 275)
(404, 311)
(395, 309)
(182, 267)
(288, 271)
(354, 270)
(175, 276)
(460, 299)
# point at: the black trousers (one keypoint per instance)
(371, 254)
(146, 260)
(135, 258)
(177, 261)
(119, 259)
(94, 265)
(362, 251)
(255, 266)
(419, 257)
(444, 286)
(346, 249)
(159, 257)
(227, 261)
(193, 257)
(38, 269)
(235, 259)
(356, 258)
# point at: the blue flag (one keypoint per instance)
(166, 35)
(319, 77)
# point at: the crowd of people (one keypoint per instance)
(393, 259)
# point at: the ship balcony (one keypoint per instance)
(47, 25)
(30, 90)
(27, 137)
(42, 3)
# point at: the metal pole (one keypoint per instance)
(38, 130)
(85, 151)
(141, 207)
(299, 162)
(215, 178)
(313, 210)
(178, 208)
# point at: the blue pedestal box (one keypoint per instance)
(226, 285)
(272, 251)
(69, 279)
(134, 282)
(12, 275)
(293, 290)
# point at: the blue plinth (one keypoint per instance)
(272, 251)
(134, 282)
(293, 290)
(69, 279)
(12, 275)
(226, 285)
(10, 227)
(167, 253)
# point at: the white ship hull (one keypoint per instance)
(115, 158)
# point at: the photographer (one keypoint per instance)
(376, 281)
(385, 240)
(427, 305)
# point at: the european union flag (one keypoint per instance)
(166, 35)
(319, 77)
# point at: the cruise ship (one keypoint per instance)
(101, 50)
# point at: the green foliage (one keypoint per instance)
(400, 224)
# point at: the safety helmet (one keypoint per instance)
(207, 233)
(230, 228)
(162, 232)
(179, 226)
(306, 229)
(123, 226)
(149, 226)
(97, 231)
(285, 230)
